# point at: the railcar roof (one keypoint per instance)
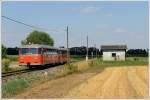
(63, 49)
(37, 46)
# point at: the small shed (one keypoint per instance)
(114, 52)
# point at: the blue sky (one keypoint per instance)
(104, 22)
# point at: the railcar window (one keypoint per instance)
(24, 51)
(39, 50)
(63, 52)
(32, 50)
(54, 51)
(20, 51)
(51, 51)
(59, 52)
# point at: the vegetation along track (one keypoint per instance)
(11, 73)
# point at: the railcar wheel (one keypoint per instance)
(29, 66)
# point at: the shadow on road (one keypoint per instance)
(42, 67)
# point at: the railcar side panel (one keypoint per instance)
(30, 59)
(36, 55)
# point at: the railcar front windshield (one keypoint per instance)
(33, 50)
(25, 51)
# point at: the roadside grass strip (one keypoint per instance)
(13, 87)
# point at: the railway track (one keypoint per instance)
(11, 73)
(15, 72)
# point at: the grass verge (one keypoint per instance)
(13, 87)
(128, 62)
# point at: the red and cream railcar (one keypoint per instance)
(41, 55)
(62, 55)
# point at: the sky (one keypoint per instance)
(105, 23)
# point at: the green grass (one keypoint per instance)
(76, 58)
(13, 87)
(131, 61)
(79, 57)
(12, 57)
(137, 58)
(70, 68)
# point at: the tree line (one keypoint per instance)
(137, 53)
(95, 51)
(82, 51)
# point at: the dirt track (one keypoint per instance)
(113, 82)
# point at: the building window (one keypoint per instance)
(113, 54)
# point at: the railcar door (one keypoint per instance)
(44, 54)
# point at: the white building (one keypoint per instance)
(114, 52)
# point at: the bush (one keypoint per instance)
(4, 51)
(70, 68)
(12, 57)
(13, 87)
(5, 64)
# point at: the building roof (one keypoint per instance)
(35, 46)
(113, 47)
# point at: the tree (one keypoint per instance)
(4, 51)
(137, 53)
(37, 37)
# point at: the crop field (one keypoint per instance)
(114, 82)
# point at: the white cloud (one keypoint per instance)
(89, 10)
(119, 30)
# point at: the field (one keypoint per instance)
(93, 79)
(112, 82)
(118, 82)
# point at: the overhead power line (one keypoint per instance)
(29, 25)
(21, 23)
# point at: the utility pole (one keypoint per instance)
(87, 49)
(67, 47)
(95, 51)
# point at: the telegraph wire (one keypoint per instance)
(8, 18)
(21, 22)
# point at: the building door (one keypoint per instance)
(114, 56)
